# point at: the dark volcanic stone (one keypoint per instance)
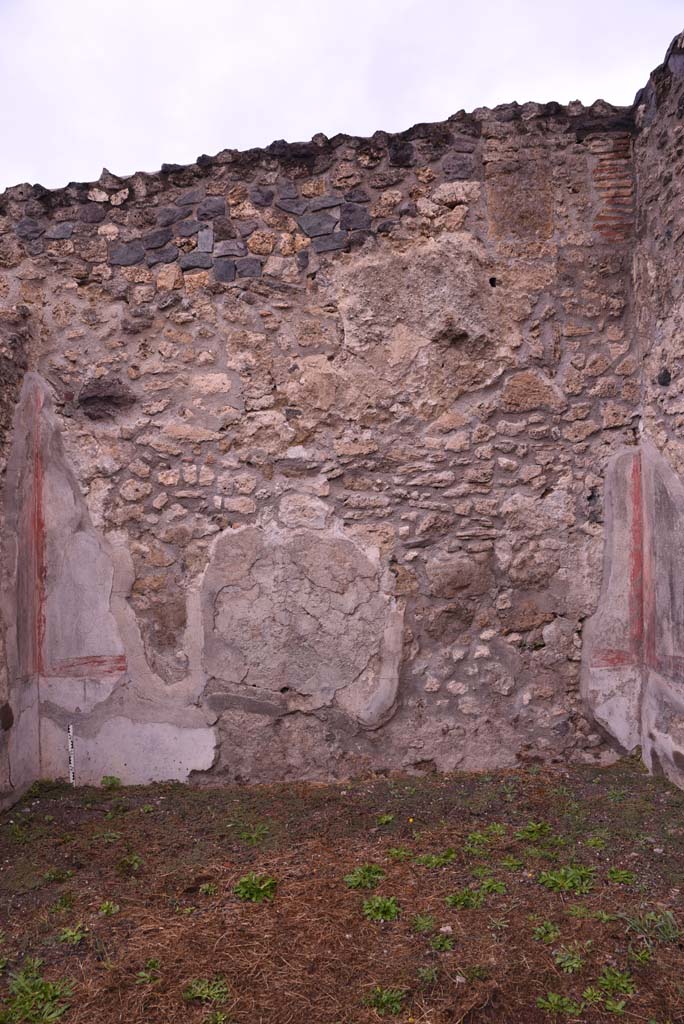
(224, 270)
(400, 153)
(250, 266)
(324, 202)
(407, 208)
(354, 217)
(192, 196)
(224, 228)
(261, 196)
(385, 226)
(205, 240)
(247, 227)
(168, 215)
(58, 231)
(288, 190)
(331, 243)
(296, 206)
(357, 195)
(156, 239)
(458, 166)
(188, 228)
(315, 224)
(302, 259)
(230, 247)
(93, 213)
(212, 206)
(28, 229)
(195, 261)
(166, 255)
(126, 254)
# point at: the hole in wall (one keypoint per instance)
(493, 282)
(100, 399)
(664, 377)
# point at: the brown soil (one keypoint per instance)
(309, 956)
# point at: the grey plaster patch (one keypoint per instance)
(302, 617)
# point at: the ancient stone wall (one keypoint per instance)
(634, 646)
(307, 474)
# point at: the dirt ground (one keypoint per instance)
(525, 896)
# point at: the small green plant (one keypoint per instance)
(423, 923)
(206, 990)
(616, 1006)
(73, 936)
(534, 831)
(436, 860)
(641, 956)
(385, 819)
(108, 908)
(147, 809)
(621, 876)
(568, 958)
(592, 995)
(427, 975)
(217, 1017)
(442, 943)
(399, 853)
(575, 878)
(20, 833)
(110, 782)
(490, 886)
(58, 875)
(555, 1003)
(254, 835)
(466, 899)
(129, 865)
(381, 908)
(62, 903)
(512, 864)
(208, 889)
(386, 1000)
(367, 876)
(655, 927)
(255, 888)
(476, 973)
(109, 838)
(614, 982)
(150, 974)
(476, 844)
(595, 842)
(34, 1000)
(546, 932)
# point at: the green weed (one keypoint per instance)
(381, 908)
(255, 888)
(386, 1000)
(206, 990)
(367, 876)
(108, 908)
(578, 879)
(34, 1000)
(546, 932)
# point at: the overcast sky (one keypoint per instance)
(129, 85)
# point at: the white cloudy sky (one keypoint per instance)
(127, 85)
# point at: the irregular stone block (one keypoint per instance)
(126, 254)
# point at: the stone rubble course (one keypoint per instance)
(313, 446)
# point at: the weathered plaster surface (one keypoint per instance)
(309, 473)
